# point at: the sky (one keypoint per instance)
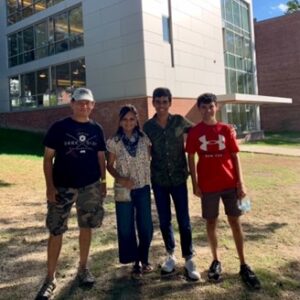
(266, 9)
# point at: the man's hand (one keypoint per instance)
(103, 189)
(51, 195)
(241, 191)
(197, 192)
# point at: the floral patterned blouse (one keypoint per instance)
(136, 168)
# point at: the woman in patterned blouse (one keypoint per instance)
(129, 164)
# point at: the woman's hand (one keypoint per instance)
(126, 182)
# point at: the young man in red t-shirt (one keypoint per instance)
(219, 175)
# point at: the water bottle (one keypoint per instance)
(244, 204)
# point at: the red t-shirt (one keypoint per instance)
(214, 145)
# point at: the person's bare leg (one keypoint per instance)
(85, 237)
(211, 229)
(53, 251)
(238, 236)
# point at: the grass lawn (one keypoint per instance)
(271, 231)
(282, 139)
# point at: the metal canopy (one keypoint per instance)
(252, 99)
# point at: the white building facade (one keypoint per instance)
(123, 49)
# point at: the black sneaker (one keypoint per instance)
(215, 270)
(47, 290)
(249, 277)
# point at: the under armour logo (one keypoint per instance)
(204, 142)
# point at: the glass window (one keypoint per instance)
(28, 39)
(28, 43)
(63, 83)
(36, 89)
(166, 29)
(20, 9)
(11, 6)
(231, 61)
(43, 87)
(61, 33)
(245, 18)
(76, 27)
(42, 81)
(78, 73)
(14, 91)
(241, 82)
(12, 45)
(238, 42)
(247, 48)
(239, 63)
(61, 30)
(236, 14)
(63, 78)
(232, 80)
(41, 40)
(27, 8)
(229, 41)
(28, 90)
(228, 11)
(40, 5)
(53, 35)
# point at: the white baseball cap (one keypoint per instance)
(83, 94)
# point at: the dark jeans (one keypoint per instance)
(137, 213)
(163, 203)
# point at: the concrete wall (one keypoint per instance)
(114, 48)
(198, 47)
(278, 68)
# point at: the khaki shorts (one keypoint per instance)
(89, 205)
(210, 204)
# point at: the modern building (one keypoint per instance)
(278, 70)
(122, 50)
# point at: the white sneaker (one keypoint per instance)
(169, 265)
(191, 271)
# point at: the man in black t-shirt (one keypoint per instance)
(74, 169)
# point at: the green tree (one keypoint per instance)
(292, 6)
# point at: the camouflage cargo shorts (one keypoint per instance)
(89, 206)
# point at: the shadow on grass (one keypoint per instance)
(258, 232)
(20, 142)
(5, 184)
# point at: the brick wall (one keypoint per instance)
(278, 69)
(106, 113)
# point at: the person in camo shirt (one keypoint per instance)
(74, 169)
(169, 175)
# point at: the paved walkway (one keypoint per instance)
(275, 150)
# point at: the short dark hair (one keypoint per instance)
(206, 98)
(162, 92)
